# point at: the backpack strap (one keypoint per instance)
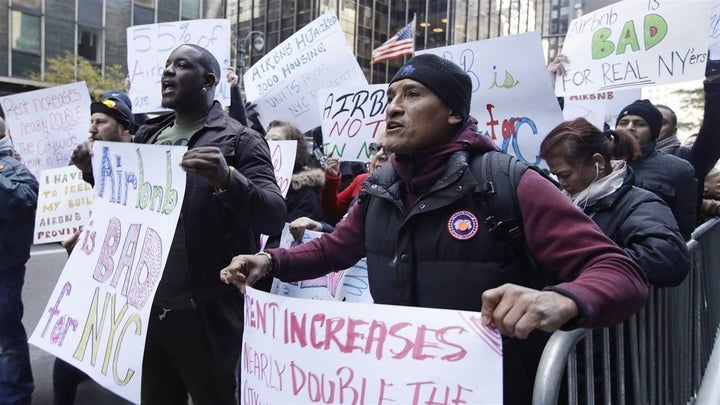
(498, 175)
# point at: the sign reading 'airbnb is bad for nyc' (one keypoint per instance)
(96, 317)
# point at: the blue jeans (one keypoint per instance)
(16, 381)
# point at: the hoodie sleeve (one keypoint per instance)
(607, 286)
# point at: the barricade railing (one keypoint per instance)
(658, 356)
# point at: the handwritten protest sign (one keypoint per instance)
(96, 318)
(634, 44)
(512, 96)
(714, 46)
(352, 117)
(284, 83)
(349, 285)
(148, 47)
(599, 108)
(283, 155)
(298, 351)
(46, 125)
(64, 204)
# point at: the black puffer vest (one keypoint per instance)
(440, 254)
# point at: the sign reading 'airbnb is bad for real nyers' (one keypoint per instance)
(97, 316)
(633, 44)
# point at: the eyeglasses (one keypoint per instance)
(374, 148)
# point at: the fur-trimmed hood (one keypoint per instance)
(307, 177)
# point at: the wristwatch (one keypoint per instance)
(270, 268)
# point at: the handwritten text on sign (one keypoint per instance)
(96, 318)
(350, 285)
(632, 44)
(502, 82)
(298, 351)
(284, 83)
(283, 155)
(150, 45)
(46, 125)
(64, 203)
(352, 118)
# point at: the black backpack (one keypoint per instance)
(498, 175)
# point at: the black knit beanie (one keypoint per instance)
(444, 78)
(648, 112)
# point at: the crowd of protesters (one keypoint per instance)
(615, 216)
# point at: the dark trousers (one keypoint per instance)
(66, 379)
(16, 380)
(193, 352)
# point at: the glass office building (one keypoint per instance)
(31, 31)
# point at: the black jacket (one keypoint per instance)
(643, 225)
(219, 226)
(673, 180)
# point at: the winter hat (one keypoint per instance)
(648, 112)
(116, 108)
(444, 78)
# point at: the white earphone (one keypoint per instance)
(597, 169)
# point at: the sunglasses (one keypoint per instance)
(110, 103)
(374, 148)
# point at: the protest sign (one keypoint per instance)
(352, 117)
(297, 351)
(283, 154)
(96, 318)
(634, 44)
(349, 285)
(512, 96)
(148, 47)
(284, 83)
(46, 125)
(599, 108)
(64, 204)
(714, 46)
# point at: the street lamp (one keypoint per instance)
(258, 44)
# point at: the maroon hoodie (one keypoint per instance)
(604, 282)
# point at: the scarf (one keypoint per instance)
(602, 187)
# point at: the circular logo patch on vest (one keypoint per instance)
(463, 225)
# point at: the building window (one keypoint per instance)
(190, 9)
(90, 43)
(91, 13)
(27, 5)
(25, 41)
(144, 12)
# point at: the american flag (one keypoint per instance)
(400, 44)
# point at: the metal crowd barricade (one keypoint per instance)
(661, 355)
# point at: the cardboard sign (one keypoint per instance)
(632, 44)
(599, 108)
(148, 47)
(64, 204)
(96, 318)
(352, 117)
(298, 351)
(46, 125)
(349, 285)
(283, 154)
(714, 46)
(512, 97)
(284, 83)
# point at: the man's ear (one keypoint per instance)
(210, 81)
(454, 118)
